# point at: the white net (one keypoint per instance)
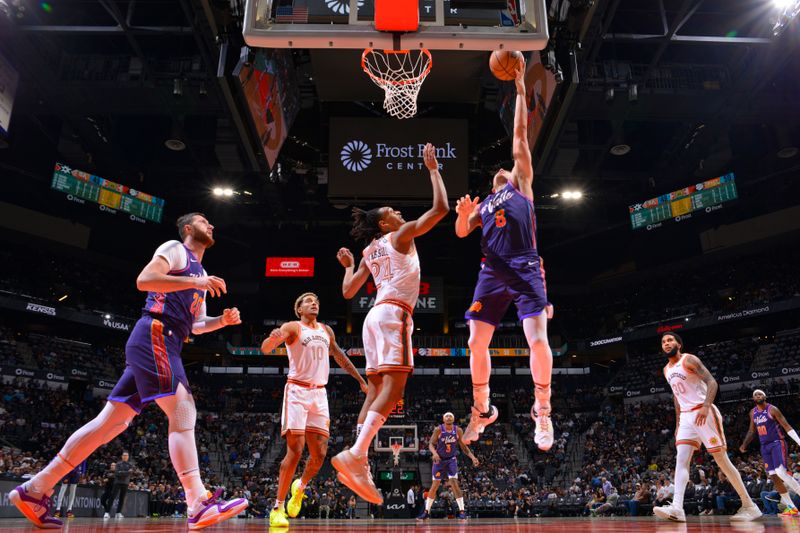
(400, 74)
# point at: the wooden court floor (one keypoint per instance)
(539, 525)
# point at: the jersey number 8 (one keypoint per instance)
(500, 218)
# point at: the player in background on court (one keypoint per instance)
(69, 484)
(176, 286)
(445, 463)
(767, 420)
(391, 257)
(511, 271)
(697, 420)
(305, 418)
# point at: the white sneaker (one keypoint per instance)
(119, 515)
(746, 514)
(478, 422)
(106, 516)
(544, 434)
(668, 512)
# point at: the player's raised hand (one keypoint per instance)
(429, 156)
(466, 205)
(519, 75)
(212, 284)
(345, 257)
(231, 317)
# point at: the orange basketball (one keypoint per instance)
(503, 64)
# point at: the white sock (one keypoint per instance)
(787, 501)
(278, 504)
(684, 458)
(359, 427)
(428, 504)
(372, 424)
(72, 489)
(460, 502)
(61, 493)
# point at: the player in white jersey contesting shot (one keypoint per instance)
(697, 420)
(305, 418)
(391, 257)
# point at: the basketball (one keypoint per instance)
(503, 64)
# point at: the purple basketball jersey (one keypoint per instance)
(447, 445)
(178, 309)
(767, 428)
(508, 224)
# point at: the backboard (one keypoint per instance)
(349, 24)
(406, 434)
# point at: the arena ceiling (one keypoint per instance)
(715, 91)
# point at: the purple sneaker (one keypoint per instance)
(216, 510)
(35, 510)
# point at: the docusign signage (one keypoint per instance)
(382, 158)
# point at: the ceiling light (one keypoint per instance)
(227, 192)
(620, 149)
(787, 152)
(217, 191)
(556, 195)
(577, 195)
(107, 316)
(248, 193)
(567, 195)
(176, 145)
(63, 298)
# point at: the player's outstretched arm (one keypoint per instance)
(206, 324)
(353, 279)
(778, 416)
(468, 215)
(751, 432)
(465, 448)
(693, 364)
(344, 362)
(523, 165)
(154, 277)
(286, 333)
(431, 217)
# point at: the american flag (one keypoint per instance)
(291, 14)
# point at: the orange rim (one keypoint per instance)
(408, 81)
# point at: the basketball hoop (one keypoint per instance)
(396, 446)
(400, 74)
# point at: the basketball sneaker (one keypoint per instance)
(37, 510)
(215, 510)
(477, 423)
(543, 434)
(356, 476)
(746, 514)
(790, 511)
(277, 518)
(296, 501)
(424, 515)
(57, 514)
(668, 512)
(70, 514)
(462, 515)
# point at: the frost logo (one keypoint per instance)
(342, 7)
(356, 156)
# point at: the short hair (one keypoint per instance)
(300, 301)
(184, 220)
(677, 337)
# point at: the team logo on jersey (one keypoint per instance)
(341, 7)
(713, 441)
(476, 307)
(356, 156)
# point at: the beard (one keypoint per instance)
(761, 402)
(671, 353)
(202, 237)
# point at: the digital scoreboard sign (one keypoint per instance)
(679, 205)
(81, 187)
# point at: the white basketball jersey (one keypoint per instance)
(396, 275)
(687, 387)
(308, 355)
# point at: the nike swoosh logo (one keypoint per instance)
(531, 263)
(193, 261)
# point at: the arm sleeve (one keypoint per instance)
(174, 253)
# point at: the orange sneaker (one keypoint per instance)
(355, 474)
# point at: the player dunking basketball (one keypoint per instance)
(697, 420)
(444, 444)
(305, 418)
(512, 271)
(767, 420)
(176, 286)
(391, 257)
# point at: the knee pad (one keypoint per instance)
(184, 416)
